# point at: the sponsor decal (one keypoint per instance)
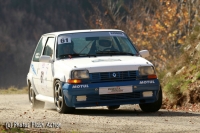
(64, 39)
(115, 89)
(42, 77)
(100, 60)
(116, 34)
(33, 69)
(80, 86)
(147, 82)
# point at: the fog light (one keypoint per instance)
(81, 98)
(147, 94)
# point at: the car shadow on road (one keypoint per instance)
(135, 111)
(124, 112)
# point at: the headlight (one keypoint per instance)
(80, 74)
(146, 70)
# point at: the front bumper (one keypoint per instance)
(93, 98)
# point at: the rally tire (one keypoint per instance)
(35, 104)
(113, 107)
(59, 100)
(152, 107)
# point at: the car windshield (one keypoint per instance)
(94, 44)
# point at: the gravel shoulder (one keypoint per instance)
(15, 111)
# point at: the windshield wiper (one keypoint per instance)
(114, 53)
(89, 55)
(68, 55)
(75, 55)
(106, 52)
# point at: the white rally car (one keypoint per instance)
(86, 68)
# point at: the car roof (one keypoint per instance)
(79, 31)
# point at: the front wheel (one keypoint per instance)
(59, 99)
(35, 104)
(152, 107)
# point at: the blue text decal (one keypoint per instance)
(33, 69)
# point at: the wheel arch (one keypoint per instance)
(30, 82)
(29, 79)
(57, 76)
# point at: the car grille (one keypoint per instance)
(113, 76)
(113, 96)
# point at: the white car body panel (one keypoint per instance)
(45, 98)
(46, 80)
(35, 76)
(103, 64)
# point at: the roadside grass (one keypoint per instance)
(14, 90)
(175, 88)
(182, 75)
(198, 76)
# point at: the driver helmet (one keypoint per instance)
(104, 44)
(66, 48)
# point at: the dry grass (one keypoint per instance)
(14, 90)
(177, 87)
(181, 89)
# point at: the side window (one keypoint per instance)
(39, 48)
(48, 50)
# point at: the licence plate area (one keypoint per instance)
(115, 90)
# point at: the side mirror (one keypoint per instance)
(144, 53)
(45, 58)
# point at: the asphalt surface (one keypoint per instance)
(15, 111)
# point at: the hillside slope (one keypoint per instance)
(181, 79)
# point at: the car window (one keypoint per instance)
(39, 49)
(82, 46)
(48, 50)
(93, 43)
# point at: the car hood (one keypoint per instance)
(105, 63)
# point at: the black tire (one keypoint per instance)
(35, 104)
(59, 100)
(152, 107)
(113, 107)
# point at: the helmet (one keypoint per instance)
(104, 44)
(66, 48)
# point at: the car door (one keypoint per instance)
(35, 63)
(45, 69)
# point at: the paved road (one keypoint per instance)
(15, 111)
